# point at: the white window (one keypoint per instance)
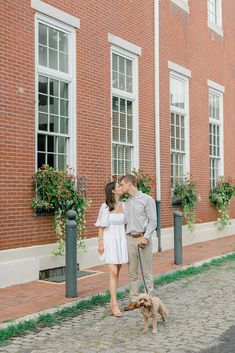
(124, 111)
(215, 135)
(214, 12)
(179, 127)
(55, 69)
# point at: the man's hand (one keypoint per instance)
(143, 242)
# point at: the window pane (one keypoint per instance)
(43, 84)
(51, 160)
(53, 59)
(121, 65)
(54, 124)
(115, 103)
(53, 38)
(41, 142)
(63, 42)
(115, 119)
(51, 143)
(43, 103)
(122, 82)
(64, 125)
(54, 88)
(114, 62)
(63, 62)
(115, 79)
(42, 38)
(54, 105)
(64, 90)
(41, 159)
(128, 67)
(123, 120)
(61, 161)
(43, 122)
(42, 51)
(64, 109)
(61, 145)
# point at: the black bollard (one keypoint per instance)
(177, 238)
(71, 255)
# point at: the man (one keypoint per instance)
(141, 218)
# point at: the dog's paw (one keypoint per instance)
(145, 330)
(154, 331)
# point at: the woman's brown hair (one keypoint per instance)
(110, 197)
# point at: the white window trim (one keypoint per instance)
(216, 27)
(179, 69)
(212, 89)
(70, 77)
(52, 11)
(216, 86)
(183, 4)
(124, 44)
(179, 75)
(134, 97)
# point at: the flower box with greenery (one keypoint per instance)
(57, 192)
(144, 182)
(185, 195)
(220, 197)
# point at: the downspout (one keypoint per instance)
(157, 119)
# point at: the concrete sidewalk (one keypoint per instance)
(21, 300)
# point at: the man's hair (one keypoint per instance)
(130, 178)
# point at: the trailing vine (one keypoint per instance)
(220, 197)
(186, 194)
(56, 193)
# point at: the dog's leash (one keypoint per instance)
(141, 267)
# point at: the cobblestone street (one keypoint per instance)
(202, 310)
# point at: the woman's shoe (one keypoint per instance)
(115, 310)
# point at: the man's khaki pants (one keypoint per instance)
(146, 259)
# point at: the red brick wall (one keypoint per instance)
(130, 20)
(186, 40)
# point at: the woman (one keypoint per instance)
(112, 240)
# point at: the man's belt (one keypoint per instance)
(136, 235)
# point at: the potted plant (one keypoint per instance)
(56, 193)
(185, 195)
(220, 197)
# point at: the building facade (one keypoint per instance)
(106, 87)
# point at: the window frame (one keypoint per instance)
(114, 49)
(180, 111)
(69, 77)
(218, 90)
(216, 26)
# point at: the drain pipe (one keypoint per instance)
(157, 119)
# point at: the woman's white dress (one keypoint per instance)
(114, 237)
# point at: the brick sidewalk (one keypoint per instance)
(21, 300)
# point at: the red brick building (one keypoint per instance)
(106, 87)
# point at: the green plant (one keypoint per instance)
(144, 182)
(56, 191)
(185, 191)
(220, 197)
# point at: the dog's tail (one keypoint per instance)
(163, 311)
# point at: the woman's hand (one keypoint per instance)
(101, 247)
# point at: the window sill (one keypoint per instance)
(217, 29)
(182, 4)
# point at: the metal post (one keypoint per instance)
(71, 255)
(158, 207)
(177, 238)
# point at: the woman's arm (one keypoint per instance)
(101, 243)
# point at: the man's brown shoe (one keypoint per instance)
(131, 306)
